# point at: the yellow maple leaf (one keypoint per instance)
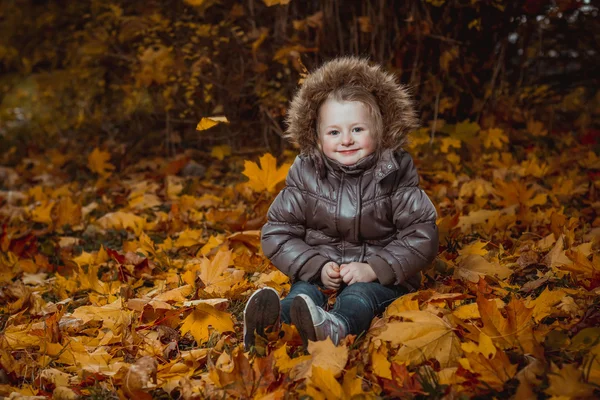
(267, 176)
(568, 382)
(284, 363)
(201, 318)
(213, 242)
(515, 329)
(534, 167)
(448, 142)
(381, 364)
(122, 220)
(323, 384)
(467, 311)
(211, 271)
(112, 316)
(220, 152)
(208, 122)
(189, 237)
(476, 218)
(68, 213)
(536, 128)
(42, 213)
(178, 295)
(494, 137)
(407, 302)
(98, 162)
(270, 3)
(423, 335)
(543, 305)
(485, 346)
(473, 248)
(466, 130)
(493, 371)
(473, 266)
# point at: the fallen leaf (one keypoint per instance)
(422, 336)
(203, 316)
(98, 162)
(568, 381)
(473, 267)
(267, 176)
(208, 122)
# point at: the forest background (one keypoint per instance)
(131, 200)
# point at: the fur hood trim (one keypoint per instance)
(395, 103)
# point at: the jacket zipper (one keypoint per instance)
(337, 214)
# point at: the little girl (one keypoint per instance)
(352, 217)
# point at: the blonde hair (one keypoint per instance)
(361, 95)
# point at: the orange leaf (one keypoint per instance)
(267, 176)
(98, 162)
(201, 318)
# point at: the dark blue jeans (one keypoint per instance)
(356, 304)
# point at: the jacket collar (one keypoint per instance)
(382, 166)
(386, 165)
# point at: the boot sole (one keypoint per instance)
(261, 311)
(303, 320)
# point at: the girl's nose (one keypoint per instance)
(347, 138)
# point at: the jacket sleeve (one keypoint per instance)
(283, 235)
(416, 242)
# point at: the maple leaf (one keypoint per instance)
(493, 370)
(98, 162)
(189, 237)
(212, 273)
(466, 130)
(380, 363)
(448, 142)
(473, 266)
(518, 192)
(485, 347)
(423, 335)
(238, 377)
(568, 382)
(476, 218)
(284, 363)
(213, 242)
(270, 3)
(494, 137)
(325, 355)
(543, 305)
(323, 385)
(220, 152)
(208, 122)
(267, 176)
(42, 213)
(68, 213)
(122, 220)
(112, 315)
(203, 316)
(536, 128)
(515, 330)
(407, 302)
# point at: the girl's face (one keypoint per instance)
(346, 131)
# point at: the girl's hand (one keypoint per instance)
(357, 272)
(330, 275)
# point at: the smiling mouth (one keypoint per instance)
(347, 152)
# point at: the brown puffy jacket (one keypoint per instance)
(373, 211)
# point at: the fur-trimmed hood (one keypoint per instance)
(395, 103)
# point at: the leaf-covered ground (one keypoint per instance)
(126, 279)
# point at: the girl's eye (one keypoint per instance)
(333, 132)
(357, 129)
